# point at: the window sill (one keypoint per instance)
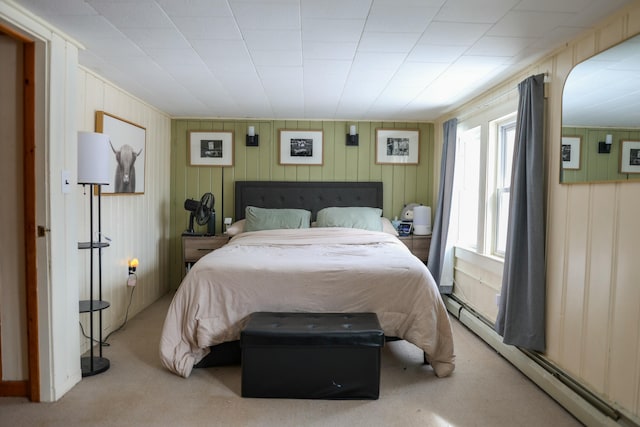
(490, 262)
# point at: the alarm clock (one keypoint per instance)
(405, 228)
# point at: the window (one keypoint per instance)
(466, 187)
(482, 185)
(506, 131)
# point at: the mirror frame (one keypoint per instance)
(597, 158)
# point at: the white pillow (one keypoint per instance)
(388, 227)
(236, 228)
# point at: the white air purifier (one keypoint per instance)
(421, 220)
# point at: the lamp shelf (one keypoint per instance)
(94, 363)
(89, 306)
(92, 245)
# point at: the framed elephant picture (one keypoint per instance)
(128, 146)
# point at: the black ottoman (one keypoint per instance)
(312, 355)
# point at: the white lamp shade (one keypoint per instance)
(93, 158)
(422, 220)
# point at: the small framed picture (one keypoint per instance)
(210, 148)
(300, 147)
(397, 146)
(630, 157)
(571, 152)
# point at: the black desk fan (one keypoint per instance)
(203, 213)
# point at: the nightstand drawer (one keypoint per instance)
(418, 245)
(195, 247)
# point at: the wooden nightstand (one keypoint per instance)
(418, 245)
(196, 246)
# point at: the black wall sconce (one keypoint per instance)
(352, 136)
(605, 146)
(253, 140)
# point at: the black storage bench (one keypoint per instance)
(311, 355)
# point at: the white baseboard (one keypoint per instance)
(573, 402)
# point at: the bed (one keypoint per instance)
(322, 266)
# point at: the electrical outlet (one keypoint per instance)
(498, 300)
(132, 280)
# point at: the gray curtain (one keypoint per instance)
(438, 249)
(521, 314)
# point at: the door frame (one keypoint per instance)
(31, 387)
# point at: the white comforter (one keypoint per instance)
(308, 270)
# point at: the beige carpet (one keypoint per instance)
(484, 390)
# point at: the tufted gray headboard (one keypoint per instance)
(312, 196)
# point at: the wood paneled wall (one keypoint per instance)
(402, 184)
(138, 225)
(593, 291)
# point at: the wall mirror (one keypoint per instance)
(601, 117)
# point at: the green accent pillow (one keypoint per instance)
(351, 217)
(274, 219)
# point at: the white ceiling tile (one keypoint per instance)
(168, 58)
(435, 53)
(204, 28)
(368, 83)
(132, 14)
(486, 11)
(196, 8)
(401, 16)
(221, 50)
(267, 15)
(378, 61)
(199, 81)
(283, 79)
(528, 24)
(387, 42)
(596, 11)
(328, 50)
(322, 93)
(332, 30)
(115, 47)
(454, 33)
(273, 40)
(60, 7)
(500, 46)
(239, 84)
(327, 68)
(417, 75)
(335, 9)
(88, 27)
(169, 38)
(572, 6)
(283, 58)
(243, 68)
(357, 59)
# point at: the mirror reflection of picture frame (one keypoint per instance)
(571, 152)
(211, 148)
(397, 146)
(301, 147)
(128, 145)
(630, 157)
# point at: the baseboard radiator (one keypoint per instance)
(585, 406)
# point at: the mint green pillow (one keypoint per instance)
(274, 219)
(351, 217)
